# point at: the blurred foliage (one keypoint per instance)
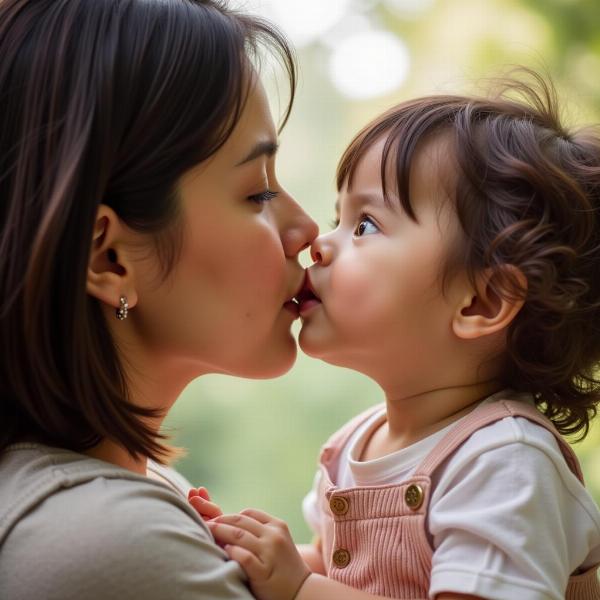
(256, 443)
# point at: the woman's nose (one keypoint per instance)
(299, 231)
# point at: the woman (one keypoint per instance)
(145, 241)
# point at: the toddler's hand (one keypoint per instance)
(265, 550)
(200, 501)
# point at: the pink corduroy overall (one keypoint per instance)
(375, 538)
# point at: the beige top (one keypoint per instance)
(73, 527)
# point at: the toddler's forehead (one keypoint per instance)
(414, 173)
(435, 157)
(427, 174)
(430, 175)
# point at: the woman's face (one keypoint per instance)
(226, 306)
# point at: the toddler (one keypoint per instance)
(463, 276)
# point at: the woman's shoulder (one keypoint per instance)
(65, 491)
(85, 523)
(52, 481)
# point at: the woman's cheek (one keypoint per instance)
(265, 274)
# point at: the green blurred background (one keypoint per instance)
(255, 443)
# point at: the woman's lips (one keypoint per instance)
(306, 298)
(292, 307)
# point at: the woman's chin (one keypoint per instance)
(272, 365)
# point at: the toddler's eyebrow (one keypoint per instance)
(362, 198)
(355, 199)
(267, 147)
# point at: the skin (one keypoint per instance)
(225, 305)
(382, 311)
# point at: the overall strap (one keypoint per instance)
(333, 446)
(486, 415)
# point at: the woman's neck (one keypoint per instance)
(152, 385)
(111, 452)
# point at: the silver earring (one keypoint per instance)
(123, 309)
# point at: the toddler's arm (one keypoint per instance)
(264, 548)
(311, 553)
(317, 587)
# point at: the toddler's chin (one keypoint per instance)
(310, 344)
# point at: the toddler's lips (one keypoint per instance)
(306, 297)
(292, 305)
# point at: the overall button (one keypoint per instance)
(341, 558)
(339, 505)
(413, 496)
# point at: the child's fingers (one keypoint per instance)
(248, 561)
(199, 499)
(202, 492)
(208, 510)
(261, 516)
(226, 534)
(243, 522)
(267, 520)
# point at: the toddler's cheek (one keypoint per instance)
(359, 300)
(350, 285)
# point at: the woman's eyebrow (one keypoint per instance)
(267, 147)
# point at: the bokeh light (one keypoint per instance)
(369, 64)
(409, 8)
(305, 21)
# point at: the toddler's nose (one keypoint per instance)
(321, 251)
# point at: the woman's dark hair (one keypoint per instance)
(526, 193)
(101, 101)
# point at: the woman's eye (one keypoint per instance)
(365, 227)
(263, 197)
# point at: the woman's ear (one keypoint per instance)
(110, 272)
(483, 311)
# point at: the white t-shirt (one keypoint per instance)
(507, 517)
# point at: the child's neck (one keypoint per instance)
(413, 418)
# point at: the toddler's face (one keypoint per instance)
(378, 277)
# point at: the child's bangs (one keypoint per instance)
(406, 128)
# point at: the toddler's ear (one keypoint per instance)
(483, 311)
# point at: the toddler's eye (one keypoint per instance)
(365, 227)
(263, 197)
(334, 223)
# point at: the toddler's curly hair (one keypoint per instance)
(526, 193)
